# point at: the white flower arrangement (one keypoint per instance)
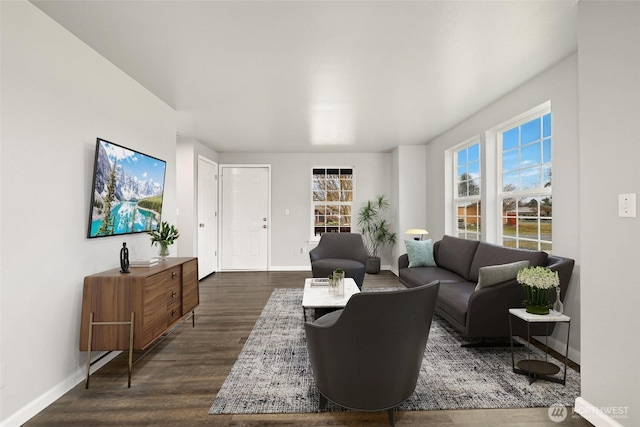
(538, 277)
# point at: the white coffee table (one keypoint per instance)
(317, 296)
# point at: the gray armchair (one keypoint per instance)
(340, 250)
(367, 357)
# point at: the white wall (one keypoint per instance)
(410, 194)
(57, 96)
(291, 189)
(609, 69)
(559, 85)
(187, 152)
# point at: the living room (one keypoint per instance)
(58, 95)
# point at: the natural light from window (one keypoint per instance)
(468, 190)
(332, 200)
(527, 207)
(510, 203)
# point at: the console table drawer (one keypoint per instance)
(161, 303)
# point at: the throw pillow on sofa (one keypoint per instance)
(494, 274)
(420, 253)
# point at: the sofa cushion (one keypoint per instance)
(418, 276)
(488, 254)
(453, 299)
(420, 253)
(456, 255)
(494, 274)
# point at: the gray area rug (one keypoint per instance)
(273, 374)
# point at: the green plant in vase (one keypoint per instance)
(164, 237)
(332, 285)
(338, 280)
(537, 283)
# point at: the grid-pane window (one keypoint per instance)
(468, 191)
(527, 203)
(332, 200)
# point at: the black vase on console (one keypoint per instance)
(124, 258)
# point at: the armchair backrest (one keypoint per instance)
(340, 246)
(370, 358)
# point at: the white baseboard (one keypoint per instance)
(41, 402)
(595, 415)
(290, 268)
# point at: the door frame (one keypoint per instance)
(221, 166)
(216, 222)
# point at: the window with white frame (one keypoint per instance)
(525, 175)
(516, 187)
(332, 199)
(467, 190)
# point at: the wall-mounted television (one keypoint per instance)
(127, 191)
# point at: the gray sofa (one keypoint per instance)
(481, 313)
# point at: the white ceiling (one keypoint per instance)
(323, 76)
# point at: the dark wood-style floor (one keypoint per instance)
(175, 383)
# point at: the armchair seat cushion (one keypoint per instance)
(354, 269)
(328, 319)
(330, 264)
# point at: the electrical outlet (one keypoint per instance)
(627, 205)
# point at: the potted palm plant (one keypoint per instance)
(376, 230)
(164, 237)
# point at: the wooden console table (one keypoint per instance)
(130, 311)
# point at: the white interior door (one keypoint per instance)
(245, 217)
(207, 217)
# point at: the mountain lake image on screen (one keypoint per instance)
(127, 190)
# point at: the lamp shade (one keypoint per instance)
(416, 231)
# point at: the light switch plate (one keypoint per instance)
(627, 205)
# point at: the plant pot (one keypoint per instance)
(536, 299)
(537, 309)
(373, 265)
(163, 252)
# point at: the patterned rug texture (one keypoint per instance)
(273, 374)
